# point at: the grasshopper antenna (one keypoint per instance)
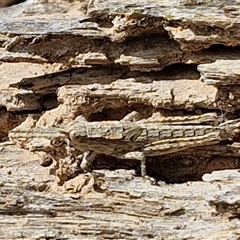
(223, 113)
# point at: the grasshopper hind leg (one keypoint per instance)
(138, 156)
(87, 160)
(142, 158)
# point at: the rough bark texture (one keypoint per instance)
(102, 60)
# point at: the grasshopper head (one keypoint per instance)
(231, 129)
(78, 133)
(75, 129)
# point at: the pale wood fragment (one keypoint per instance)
(226, 198)
(158, 94)
(221, 72)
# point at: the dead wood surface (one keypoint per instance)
(103, 59)
(122, 206)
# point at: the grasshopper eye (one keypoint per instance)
(75, 135)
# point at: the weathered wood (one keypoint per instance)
(7, 3)
(122, 206)
(226, 198)
(221, 72)
(104, 59)
(158, 94)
